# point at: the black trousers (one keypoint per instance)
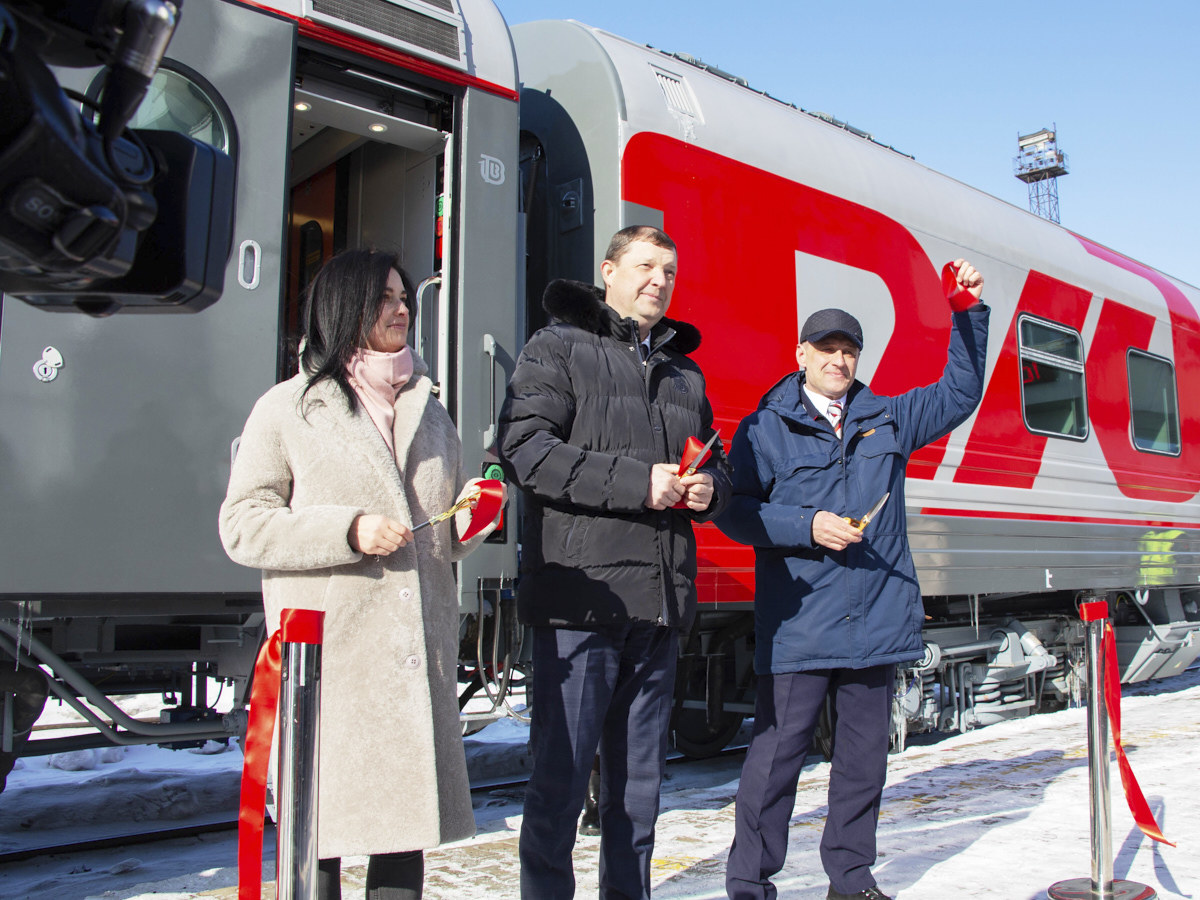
(785, 717)
(390, 876)
(592, 690)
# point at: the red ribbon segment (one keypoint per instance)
(485, 508)
(296, 626)
(691, 455)
(1112, 695)
(692, 459)
(959, 298)
(302, 626)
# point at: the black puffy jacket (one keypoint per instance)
(582, 423)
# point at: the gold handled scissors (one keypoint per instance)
(465, 503)
(860, 524)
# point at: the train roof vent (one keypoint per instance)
(742, 82)
(426, 27)
(712, 70)
(676, 92)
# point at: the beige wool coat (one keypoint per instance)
(392, 775)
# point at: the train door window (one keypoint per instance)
(179, 100)
(1052, 387)
(1154, 403)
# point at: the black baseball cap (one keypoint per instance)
(825, 322)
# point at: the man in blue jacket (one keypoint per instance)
(836, 604)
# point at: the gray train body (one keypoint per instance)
(111, 571)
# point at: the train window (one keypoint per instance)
(1052, 388)
(1154, 403)
(175, 102)
(179, 100)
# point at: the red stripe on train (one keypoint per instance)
(334, 38)
(1042, 517)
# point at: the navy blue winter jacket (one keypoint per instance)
(816, 608)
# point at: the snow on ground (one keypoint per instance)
(997, 813)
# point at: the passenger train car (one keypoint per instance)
(496, 159)
(1077, 474)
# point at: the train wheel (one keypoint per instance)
(695, 738)
(28, 689)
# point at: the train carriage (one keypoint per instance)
(1079, 471)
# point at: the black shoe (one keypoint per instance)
(871, 893)
(589, 823)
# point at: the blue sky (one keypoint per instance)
(953, 84)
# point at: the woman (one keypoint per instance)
(334, 468)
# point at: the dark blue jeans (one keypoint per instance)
(785, 717)
(608, 690)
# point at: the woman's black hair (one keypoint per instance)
(344, 302)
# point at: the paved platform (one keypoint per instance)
(998, 813)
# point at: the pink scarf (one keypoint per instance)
(377, 378)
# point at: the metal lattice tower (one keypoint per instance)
(1038, 163)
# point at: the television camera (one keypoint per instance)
(96, 216)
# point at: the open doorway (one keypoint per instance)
(369, 163)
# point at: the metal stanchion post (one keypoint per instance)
(299, 734)
(1101, 885)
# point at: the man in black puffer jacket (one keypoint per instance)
(598, 413)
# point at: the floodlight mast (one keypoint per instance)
(1039, 163)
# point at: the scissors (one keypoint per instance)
(691, 470)
(860, 524)
(464, 503)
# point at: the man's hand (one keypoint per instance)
(963, 284)
(378, 535)
(697, 491)
(665, 487)
(968, 277)
(833, 532)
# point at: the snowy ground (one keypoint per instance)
(997, 813)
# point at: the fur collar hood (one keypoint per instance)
(583, 306)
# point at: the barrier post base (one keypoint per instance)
(1086, 889)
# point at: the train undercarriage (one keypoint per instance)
(67, 650)
(986, 659)
(61, 649)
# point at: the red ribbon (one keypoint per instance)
(296, 626)
(485, 508)
(1112, 696)
(958, 297)
(691, 450)
(691, 459)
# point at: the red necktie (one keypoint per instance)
(835, 416)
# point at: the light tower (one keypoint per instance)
(1038, 163)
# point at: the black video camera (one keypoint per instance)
(94, 216)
